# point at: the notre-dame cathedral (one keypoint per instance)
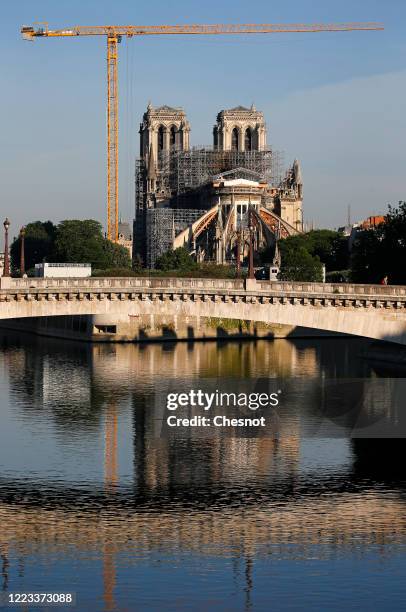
(208, 198)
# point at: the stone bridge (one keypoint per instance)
(371, 311)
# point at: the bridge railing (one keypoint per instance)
(128, 282)
(332, 288)
(206, 283)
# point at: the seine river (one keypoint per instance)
(100, 499)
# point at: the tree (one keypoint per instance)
(367, 265)
(178, 259)
(117, 255)
(329, 246)
(381, 251)
(137, 264)
(392, 234)
(79, 241)
(72, 241)
(38, 244)
(298, 265)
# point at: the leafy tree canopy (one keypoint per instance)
(38, 244)
(298, 265)
(72, 241)
(329, 246)
(381, 251)
(178, 259)
(79, 242)
(117, 256)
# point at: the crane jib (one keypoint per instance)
(216, 29)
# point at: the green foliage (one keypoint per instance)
(117, 255)
(80, 242)
(211, 270)
(179, 263)
(329, 246)
(381, 251)
(366, 259)
(137, 263)
(38, 244)
(72, 241)
(178, 259)
(298, 264)
(339, 276)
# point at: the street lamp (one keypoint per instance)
(251, 255)
(238, 253)
(6, 270)
(22, 252)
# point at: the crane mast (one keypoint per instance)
(112, 138)
(114, 34)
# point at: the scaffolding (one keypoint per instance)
(140, 184)
(182, 171)
(162, 226)
(190, 169)
(160, 215)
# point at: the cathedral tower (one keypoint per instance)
(163, 129)
(240, 129)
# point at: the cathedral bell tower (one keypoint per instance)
(240, 129)
(163, 129)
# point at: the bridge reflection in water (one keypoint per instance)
(134, 496)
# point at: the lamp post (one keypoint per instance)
(251, 256)
(6, 270)
(22, 252)
(238, 253)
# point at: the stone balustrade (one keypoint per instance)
(285, 287)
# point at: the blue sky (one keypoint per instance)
(334, 100)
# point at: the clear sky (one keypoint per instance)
(334, 100)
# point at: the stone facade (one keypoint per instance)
(163, 129)
(240, 129)
(289, 199)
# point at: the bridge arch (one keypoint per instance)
(365, 310)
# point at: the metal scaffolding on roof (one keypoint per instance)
(162, 225)
(181, 171)
(161, 214)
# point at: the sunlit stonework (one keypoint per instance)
(206, 198)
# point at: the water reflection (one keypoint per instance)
(90, 495)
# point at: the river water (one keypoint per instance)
(98, 499)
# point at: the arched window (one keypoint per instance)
(234, 140)
(172, 137)
(215, 137)
(248, 139)
(160, 138)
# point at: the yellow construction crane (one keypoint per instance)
(114, 35)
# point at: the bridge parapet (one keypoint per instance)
(220, 284)
(332, 288)
(125, 283)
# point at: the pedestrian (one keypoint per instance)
(384, 280)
